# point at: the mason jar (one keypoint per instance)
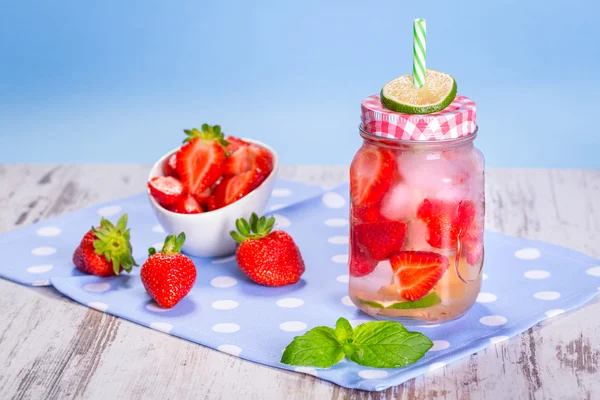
(417, 213)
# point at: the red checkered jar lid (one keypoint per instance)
(455, 121)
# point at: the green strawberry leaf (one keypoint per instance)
(318, 347)
(386, 344)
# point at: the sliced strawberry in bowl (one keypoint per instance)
(200, 161)
(235, 143)
(417, 272)
(246, 158)
(166, 190)
(170, 166)
(371, 173)
(380, 239)
(233, 188)
(187, 205)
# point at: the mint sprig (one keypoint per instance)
(381, 344)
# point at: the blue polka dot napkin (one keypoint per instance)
(524, 283)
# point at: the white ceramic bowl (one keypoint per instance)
(207, 234)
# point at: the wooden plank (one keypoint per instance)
(51, 347)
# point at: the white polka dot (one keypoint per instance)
(373, 374)
(498, 339)
(223, 260)
(41, 282)
(281, 193)
(161, 326)
(347, 302)
(281, 221)
(338, 240)
(536, 274)
(547, 295)
(43, 251)
(336, 222)
(595, 271)
(440, 345)
(230, 349)
(428, 325)
(223, 282)
(276, 207)
(333, 200)
(158, 228)
(292, 326)
(528, 253)
(226, 328)
(39, 269)
(436, 365)
(98, 305)
(493, 320)
(343, 278)
(357, 322)
(340, 259)
(155, 308)
(225, 304)
(97, 287)
(109, 211)
(484, 277)
(307, 370)
(290, 302)
(48, 231)
(486, 297)
(554, 312)
(158, 246)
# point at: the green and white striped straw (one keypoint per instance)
(419, 53)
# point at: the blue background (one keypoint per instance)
(117, 81)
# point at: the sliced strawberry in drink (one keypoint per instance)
(371, 174)
(417, 272)
(187, 205)
(360, 263)
(166, 189)
(246, 158)
(366, 214)
(233, 188)
(473, 248)
(170, 166)
(446, 220)
(380, 239)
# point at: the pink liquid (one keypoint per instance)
(437, 195)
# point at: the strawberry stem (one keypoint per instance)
(207, 133)
(257, 228)
(171, 246)
(114, 244)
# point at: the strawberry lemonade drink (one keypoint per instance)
(417, 203)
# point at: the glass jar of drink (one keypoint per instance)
(417, 213)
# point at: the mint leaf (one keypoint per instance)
(343, 330)
(319, 347)
(386, 344)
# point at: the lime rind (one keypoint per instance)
(430, 300)
(393, 103)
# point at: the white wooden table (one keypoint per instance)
(51, 347)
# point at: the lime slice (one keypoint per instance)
(438, 92)
(430, 300)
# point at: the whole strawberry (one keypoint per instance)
(168, 276)
(268, 258)
(105, 250)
